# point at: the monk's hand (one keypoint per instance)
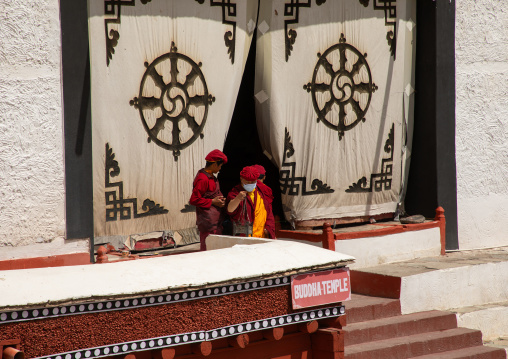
(241, 195)
(219, 202)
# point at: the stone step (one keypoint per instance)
(398, 326)
(363, 308)
(499, 343)
(415, 345)
(479, 352)
(491, 319)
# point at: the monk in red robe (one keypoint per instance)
(207, 197)
(250, 205)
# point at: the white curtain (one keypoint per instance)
(165, 76)
(334, 103)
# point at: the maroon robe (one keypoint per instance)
(270, 220)
(209, 218)
(266, 196)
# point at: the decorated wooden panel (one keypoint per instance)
(334, 103)
(165, 76)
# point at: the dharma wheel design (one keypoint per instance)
(173, 101)
(341, 87)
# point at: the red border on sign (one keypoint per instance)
(313, 289)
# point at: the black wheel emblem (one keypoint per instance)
(173, 101)
(341, 87)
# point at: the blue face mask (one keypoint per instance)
(249, 187)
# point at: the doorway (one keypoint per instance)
(242, 145)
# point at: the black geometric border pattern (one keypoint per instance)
(188, 208)
(114, 8)
(383, 180)
(229, 37)
(193, 337)
(138, 302)
(289, 182)
(119, 205)
(292, 9)
(390, 9)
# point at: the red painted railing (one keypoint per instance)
(328, 238)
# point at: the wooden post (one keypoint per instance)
(166, 353)
(440, 217)
(102, 256)
(328, 237)
(337, 322)
(203, 348)
(12, 353)
(277, 226)
(274, 333)
(240, 341)
(328, 343)
(309, 327)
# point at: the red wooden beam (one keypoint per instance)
(239, 341)
(274, 334)
(203, 348)
(166, 353)
(328, 344)
(309, 327)
(337, 322)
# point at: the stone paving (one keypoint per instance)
(449, 260)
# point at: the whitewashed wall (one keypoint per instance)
(482, 122)
(32, 194)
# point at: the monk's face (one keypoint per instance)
(215, 168)
(244, 181)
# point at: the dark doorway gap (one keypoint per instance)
(242, 145)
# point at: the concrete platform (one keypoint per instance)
(455, 280)
(373, 251)
(379, 243)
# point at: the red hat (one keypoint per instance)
(260, 169)
(215, 156)
(250, 173)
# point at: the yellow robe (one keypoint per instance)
(259, 215)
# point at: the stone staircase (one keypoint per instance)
(377, 329)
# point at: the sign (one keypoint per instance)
(309, 290)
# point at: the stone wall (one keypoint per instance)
(482, 122)
(32, 206)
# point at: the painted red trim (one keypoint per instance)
(440, 217)
(385, 230)
(49, 261)
(373, 284)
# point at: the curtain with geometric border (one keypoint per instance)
(334, 90)
(164, 81)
